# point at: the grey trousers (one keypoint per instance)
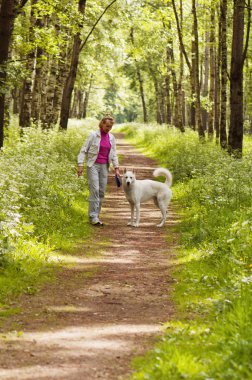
(97, 176)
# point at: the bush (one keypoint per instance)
(44, 204)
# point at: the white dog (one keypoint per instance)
(138, 191)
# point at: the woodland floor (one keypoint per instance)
(104, 309)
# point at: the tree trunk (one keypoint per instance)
(26, 100)
(193, 87)
(189, 65)
(48, 119)
(7, 108)
(235, 137)
(197, 83)
(178, 112)
(217, 85)
(73, 113)
(38, 77)
(168, 100)
(205, 81)
(247, 91)
(181, 93)
(45, 72)
(37, 87)
(15, 97)
(163, 100)
(80, 104)
(140, 80)
(223, 115)
(212, 75)
(69, 84)
(157, 96)
(86, 98)
(64, 65)
(7, 17)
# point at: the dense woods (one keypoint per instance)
(183, 63)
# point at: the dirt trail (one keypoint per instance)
(103, 310)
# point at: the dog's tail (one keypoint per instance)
(164, 172)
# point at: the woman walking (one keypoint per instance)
(99, 151)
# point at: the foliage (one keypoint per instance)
(112, 61)
(213, 290)
(43, 207)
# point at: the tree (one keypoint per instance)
(235, 137)
(69, 84)
(197, 81)
(217, 84)
(26, 100)
(212, 74)
(194, 66)
(223, 59)
(140, 80)
(78, 45)
(8, 12)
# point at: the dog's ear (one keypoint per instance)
(133, 171)
(124, 170)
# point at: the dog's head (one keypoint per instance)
(129, 177)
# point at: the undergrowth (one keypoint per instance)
(43, 205)
(212, 337)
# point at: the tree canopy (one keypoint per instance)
(167, 61)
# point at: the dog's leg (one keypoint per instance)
(132, 207)
(163, 209)
(137, 214)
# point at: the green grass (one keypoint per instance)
(44, 205)
(212, 335)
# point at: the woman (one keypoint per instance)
(99, 151)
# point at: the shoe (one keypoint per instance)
(97, 223)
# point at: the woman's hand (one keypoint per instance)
(80, 171)
(117, 172)
(118, 177)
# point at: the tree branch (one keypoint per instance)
(94, 26)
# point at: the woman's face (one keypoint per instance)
(106, 125)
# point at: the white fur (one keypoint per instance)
(139, 191)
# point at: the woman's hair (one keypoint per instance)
(107, 116)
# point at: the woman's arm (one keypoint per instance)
(114, 157)
(83, 153)
(84, 150)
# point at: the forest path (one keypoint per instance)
(105, 308)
